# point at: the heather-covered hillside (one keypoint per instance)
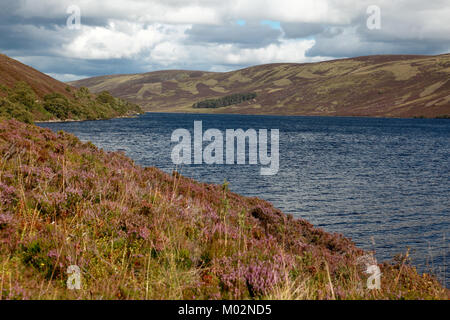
(139, 233)
(376, 86)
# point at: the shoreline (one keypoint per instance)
(74, 120)
(292, 115)
(201, 112)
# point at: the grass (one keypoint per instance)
(139, 233)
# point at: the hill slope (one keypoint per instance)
(139, 233)
(29, 95)
(388, 86)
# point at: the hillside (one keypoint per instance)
(379, 86)
(29, 95)
(139, 233)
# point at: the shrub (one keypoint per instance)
(58, 105)
(22, 103)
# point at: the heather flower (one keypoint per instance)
(47, 173)
(5, 219)
(7, 175)
(7, 193)
(262, 276)
(74, 191)
(53, 253)
(144, 233)
(58, 198)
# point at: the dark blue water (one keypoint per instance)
(385, 183)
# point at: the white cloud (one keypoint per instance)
(286, 51)
(169, 53)
(66, 77)
(319, 11)
(165, 45)
(219, 56)
(120, 40)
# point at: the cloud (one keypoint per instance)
(120, 40)
(414, 29)
(248, 35)
(285, 51)
(301, 30)
(140, 35)
(67, 77)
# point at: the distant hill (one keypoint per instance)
(378, 86)
(29, 95)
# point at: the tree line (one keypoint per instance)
(225, 101)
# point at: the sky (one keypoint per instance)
(74, 39)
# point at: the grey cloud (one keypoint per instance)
(350, 44)
(398, 35)
(32, 40)
(301, 30)
(249, 35)
(81, 67)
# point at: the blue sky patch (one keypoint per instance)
(273, 24)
